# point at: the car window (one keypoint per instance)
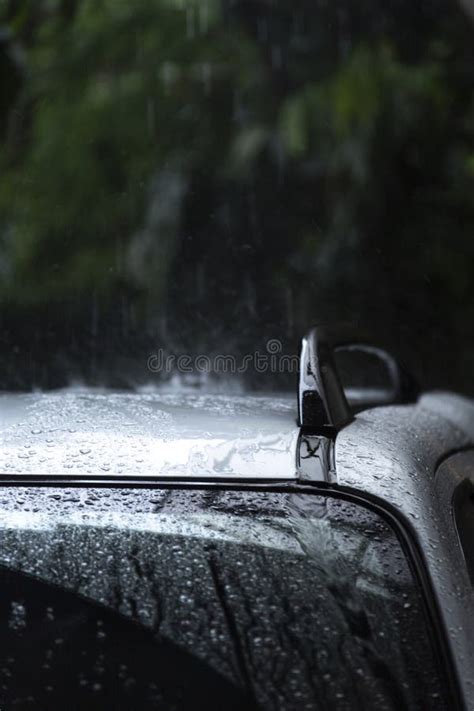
(463, 511)
(128, 598)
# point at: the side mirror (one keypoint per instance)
(323, 405)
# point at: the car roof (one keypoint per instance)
(83, 431)
(78, 432)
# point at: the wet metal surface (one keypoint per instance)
(81, 433)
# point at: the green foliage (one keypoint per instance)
(115, 95)
(294, 163)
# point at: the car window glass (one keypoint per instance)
(288, 600)
(463, 511)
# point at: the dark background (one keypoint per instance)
(202, 175)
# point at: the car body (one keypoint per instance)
(399, 461)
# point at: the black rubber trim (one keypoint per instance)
(402, 528)
(146, 482)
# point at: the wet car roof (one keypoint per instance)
(82, 432)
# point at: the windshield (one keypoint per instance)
(157, 598)
(188, 185)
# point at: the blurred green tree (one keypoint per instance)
(210, 173)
